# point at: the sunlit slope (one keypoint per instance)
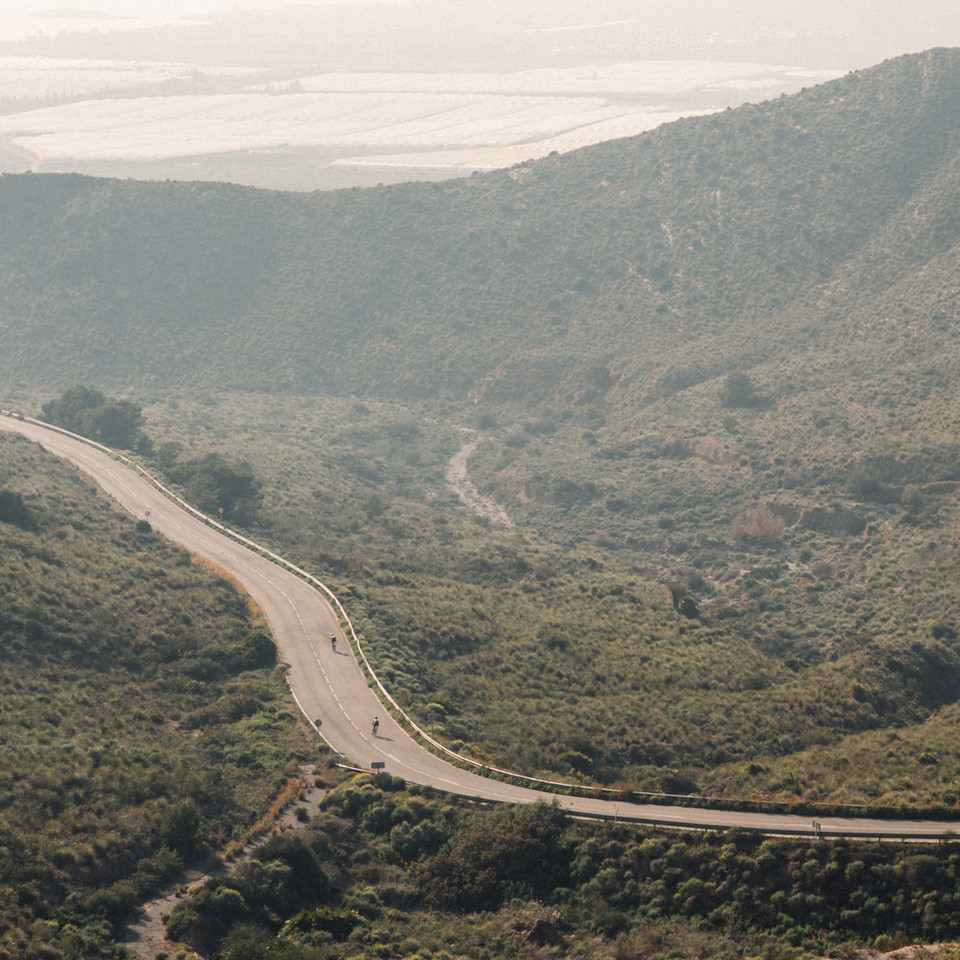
(561, 276)
(115, 652)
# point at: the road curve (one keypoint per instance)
(329, 685)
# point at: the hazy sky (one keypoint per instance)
(862, 29)
(156, 9)
(835, 33)
(846, 13)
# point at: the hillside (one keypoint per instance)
(144, 723)
(710, 375)
(538, 281)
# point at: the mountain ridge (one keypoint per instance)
(427, 290)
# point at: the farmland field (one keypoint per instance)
(121, 117)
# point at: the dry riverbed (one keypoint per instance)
(469, 495)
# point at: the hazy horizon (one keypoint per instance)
(385, 90)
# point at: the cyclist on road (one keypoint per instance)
(376, 725)
(333, 642)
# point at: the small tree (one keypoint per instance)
(911, 499)
(867, 485)
(168, 453)
(67, 409)
(212, 482)
(179, 826)
(116, 423)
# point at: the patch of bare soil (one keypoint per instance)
(469, 495)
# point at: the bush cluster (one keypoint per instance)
(356, 881)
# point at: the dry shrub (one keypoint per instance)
(758, 524)
(657, 940)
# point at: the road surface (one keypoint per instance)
(329, 685)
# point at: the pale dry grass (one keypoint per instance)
(258, 620)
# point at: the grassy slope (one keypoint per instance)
(527, 644)
(128, 696)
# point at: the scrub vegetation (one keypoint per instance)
(745, 658)
(145, 723)
(709, 375)
(387, 872)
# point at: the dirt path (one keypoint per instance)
(469, 495)
(145, 936)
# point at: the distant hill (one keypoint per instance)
(718, 239)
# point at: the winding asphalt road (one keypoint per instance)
(329, 685)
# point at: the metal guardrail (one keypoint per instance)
(686, 801)
(318, 584)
